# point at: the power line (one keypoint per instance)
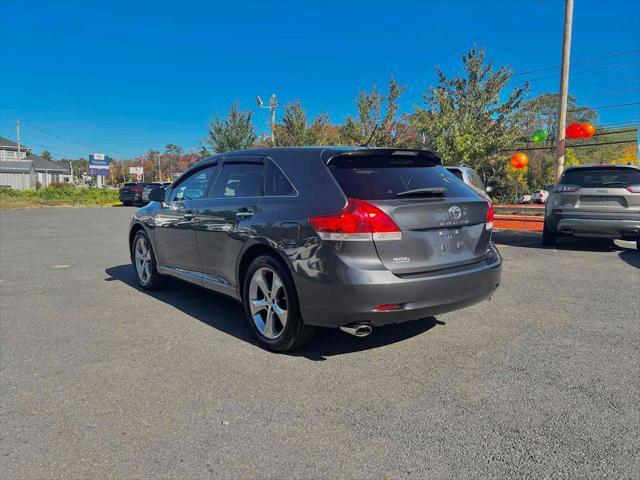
(551, 139)
(602, 107)
(573, 74)
(611, 93)
(633, 78)
(453, 51)
(73, 141)
(473, 40)
(586, 60)
(551, 147)
(619, 123)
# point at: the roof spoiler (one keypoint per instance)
(328, 156)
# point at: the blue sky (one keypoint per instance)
(129, 76)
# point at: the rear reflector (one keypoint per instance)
(490, 214)
(359, 220)
(388, 306)
(634, 188)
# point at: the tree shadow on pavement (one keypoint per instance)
(227, 315)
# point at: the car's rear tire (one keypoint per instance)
(548, 237)
(144, 263)
(271, 305)
(127, 204)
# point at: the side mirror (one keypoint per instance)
(489, 189)
(157, 195)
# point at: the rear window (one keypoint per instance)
(601, 177)
(457, 172)
(380, 178)
(130, 184)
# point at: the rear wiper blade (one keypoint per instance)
(424, 192)
(605, 184)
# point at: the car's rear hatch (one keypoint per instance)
(599, 190)
(126, 188)
(443, 221)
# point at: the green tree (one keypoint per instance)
(295, 129)
(570, 158)
(233, 132)
(466, 122)
(379, 112)
(46, 154)
(542, 112)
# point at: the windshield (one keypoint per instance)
(601, 177)
(384, 177)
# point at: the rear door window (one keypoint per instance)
(599, 177)
(384, 177)
(241, 179)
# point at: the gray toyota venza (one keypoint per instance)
(342, 237)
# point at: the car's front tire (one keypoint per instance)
(271, 305)
(144, 262)
(548, 237)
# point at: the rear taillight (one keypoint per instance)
(566, 188)
(359, 220)
(136, 189)
(490, 214)
(634, 188)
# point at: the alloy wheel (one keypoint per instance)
(142, 257)
(268, 303)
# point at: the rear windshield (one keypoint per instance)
(380, 178)
(457, 172)
(601, 177)
(130, 184)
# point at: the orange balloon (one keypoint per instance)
(519, 160)
(588, 129)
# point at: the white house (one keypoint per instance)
(22, 170)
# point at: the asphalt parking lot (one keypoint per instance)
(102, 380)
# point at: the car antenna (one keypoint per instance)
(375, 129)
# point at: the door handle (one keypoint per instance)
(189, 214)
(244, 213)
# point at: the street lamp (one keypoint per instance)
(273, 104)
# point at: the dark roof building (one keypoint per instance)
(23, 170)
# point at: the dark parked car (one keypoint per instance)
(334, 237)
(131, 192)
(601, 201)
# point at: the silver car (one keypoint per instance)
(469, 176)
(601, 201)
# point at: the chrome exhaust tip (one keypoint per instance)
(357, 329)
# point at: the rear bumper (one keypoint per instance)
(334, 305)
(597, 225)
(130, 197)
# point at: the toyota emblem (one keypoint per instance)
(455, 212)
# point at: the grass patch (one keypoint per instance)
(57, 196)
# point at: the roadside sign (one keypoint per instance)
(99, 164)
(136, 170)
(104, 171)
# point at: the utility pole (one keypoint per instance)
(18, 136)
(273, 104)
(564, 87)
